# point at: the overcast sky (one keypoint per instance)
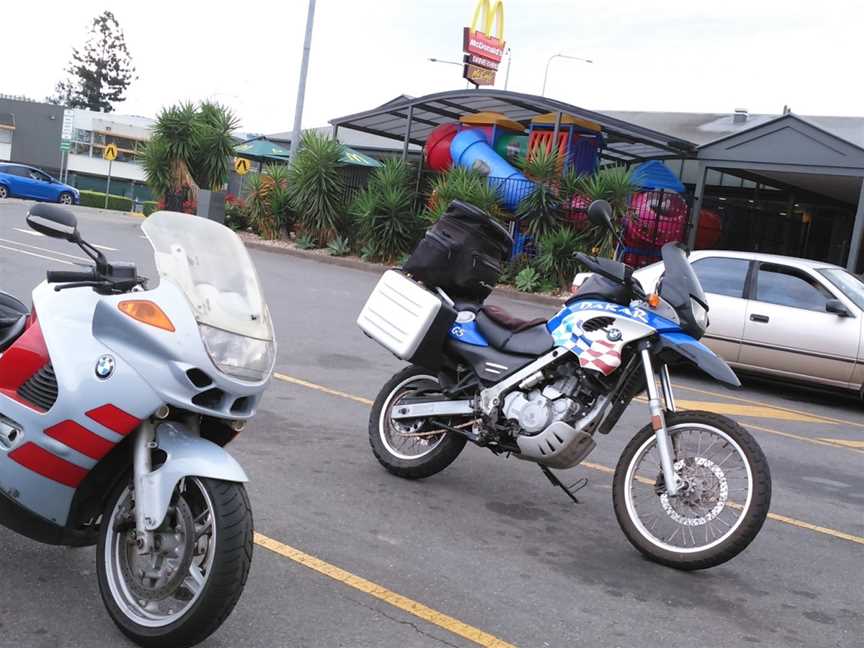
(687, 56)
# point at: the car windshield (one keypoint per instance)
(847, 283)
(210, 264)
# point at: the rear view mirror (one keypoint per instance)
(837, 307)
(53, 221)
(600, 214)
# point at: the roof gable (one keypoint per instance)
(786, 140)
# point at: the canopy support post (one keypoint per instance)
(857, 233)
(407, 133)
(701, 171)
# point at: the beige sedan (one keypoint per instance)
(792, 318)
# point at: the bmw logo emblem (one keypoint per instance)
(613, 334)
(104, 366)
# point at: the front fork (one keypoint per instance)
(145, 441)
(658, 419)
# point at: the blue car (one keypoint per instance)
(20, 181)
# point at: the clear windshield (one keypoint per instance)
(851, 285)
(679, 281)
(210, 264)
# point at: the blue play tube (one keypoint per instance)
(470, 149)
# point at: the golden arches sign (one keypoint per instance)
(489, 12)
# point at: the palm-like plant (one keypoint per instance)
(467, 185)
(191, 146)
(387, 225)
(615, 185)
(316, 186)
(556, 259)
(540, 211)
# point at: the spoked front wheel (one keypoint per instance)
(413, 449)
(181, 590)
(722, 503)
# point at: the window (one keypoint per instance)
(849, 284)
(38, 175)
(5, 135)
(787, 286)
(722, 276)
(21, 172)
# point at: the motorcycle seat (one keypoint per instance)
(13, 319)
(513, 335)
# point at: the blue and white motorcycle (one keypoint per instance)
(691, 489)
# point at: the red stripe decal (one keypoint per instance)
(114, 419)
(42, 462)
(23, 359)
(81, 439)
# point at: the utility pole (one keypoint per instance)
(301, 87)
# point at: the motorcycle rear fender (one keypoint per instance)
(695, 352)
(188, 455)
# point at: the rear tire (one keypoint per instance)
(4, 192)
(224, 572)
(718, 490)
(441, 449)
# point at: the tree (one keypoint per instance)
(100, 72)
(190, 148)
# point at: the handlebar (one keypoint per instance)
(64, 276)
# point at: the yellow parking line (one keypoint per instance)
(756, 411)
(382, 593)
(321, 388)
(611, 471)
(826, 419)
(849, 443)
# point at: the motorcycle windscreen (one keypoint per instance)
(210, 264)
(680, 282)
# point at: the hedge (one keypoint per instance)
(149, 206)
(97, 199)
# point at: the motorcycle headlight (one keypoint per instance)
(700, 313)
(237, 355)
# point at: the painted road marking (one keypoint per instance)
(827, 419)
(41, 249)
(785, 519)
(720, 408)
(28, 231)
(41, 256)
(403, 603)
(849, 443)
(756, 411)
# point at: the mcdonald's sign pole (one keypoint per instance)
(483, 51)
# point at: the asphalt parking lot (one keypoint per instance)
(485, 553)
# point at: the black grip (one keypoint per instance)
(64, 276)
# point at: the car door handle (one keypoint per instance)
(764, 319)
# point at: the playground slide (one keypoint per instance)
(470, 149)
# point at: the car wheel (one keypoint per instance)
(4, 192)
(65, 198)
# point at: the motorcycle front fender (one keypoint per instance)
(187, 455)
(693, 351)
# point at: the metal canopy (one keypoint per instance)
(625, 142)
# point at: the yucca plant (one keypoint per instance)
(316, 186)
(541, 210)
(467, 185)
(556, 259)
(615, 185)
(387, 225)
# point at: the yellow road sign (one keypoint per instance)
(110, 152)
(242, 166)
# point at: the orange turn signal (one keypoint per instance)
(146, 312)
(653, 300)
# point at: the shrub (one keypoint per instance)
(387, 226)
(267, 205)
(556, 260)
(614, 184)
(528, 280)
(235, 213)
(513, 267)
(467, 185)
(339, 246)
(306, 242)
(316, 186)
(540, 211)
(149, 206)
(97, 199)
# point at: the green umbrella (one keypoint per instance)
(261, 148)
(350, 156)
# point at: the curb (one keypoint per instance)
(366, 266)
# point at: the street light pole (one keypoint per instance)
(554, 56)
(509, 61)
(437, 60)
(301, 87)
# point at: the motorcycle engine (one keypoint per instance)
(537, 409)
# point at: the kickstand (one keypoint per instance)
(572, 488)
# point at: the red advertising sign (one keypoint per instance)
(481, 61)
(475, 42)
(479, 76)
